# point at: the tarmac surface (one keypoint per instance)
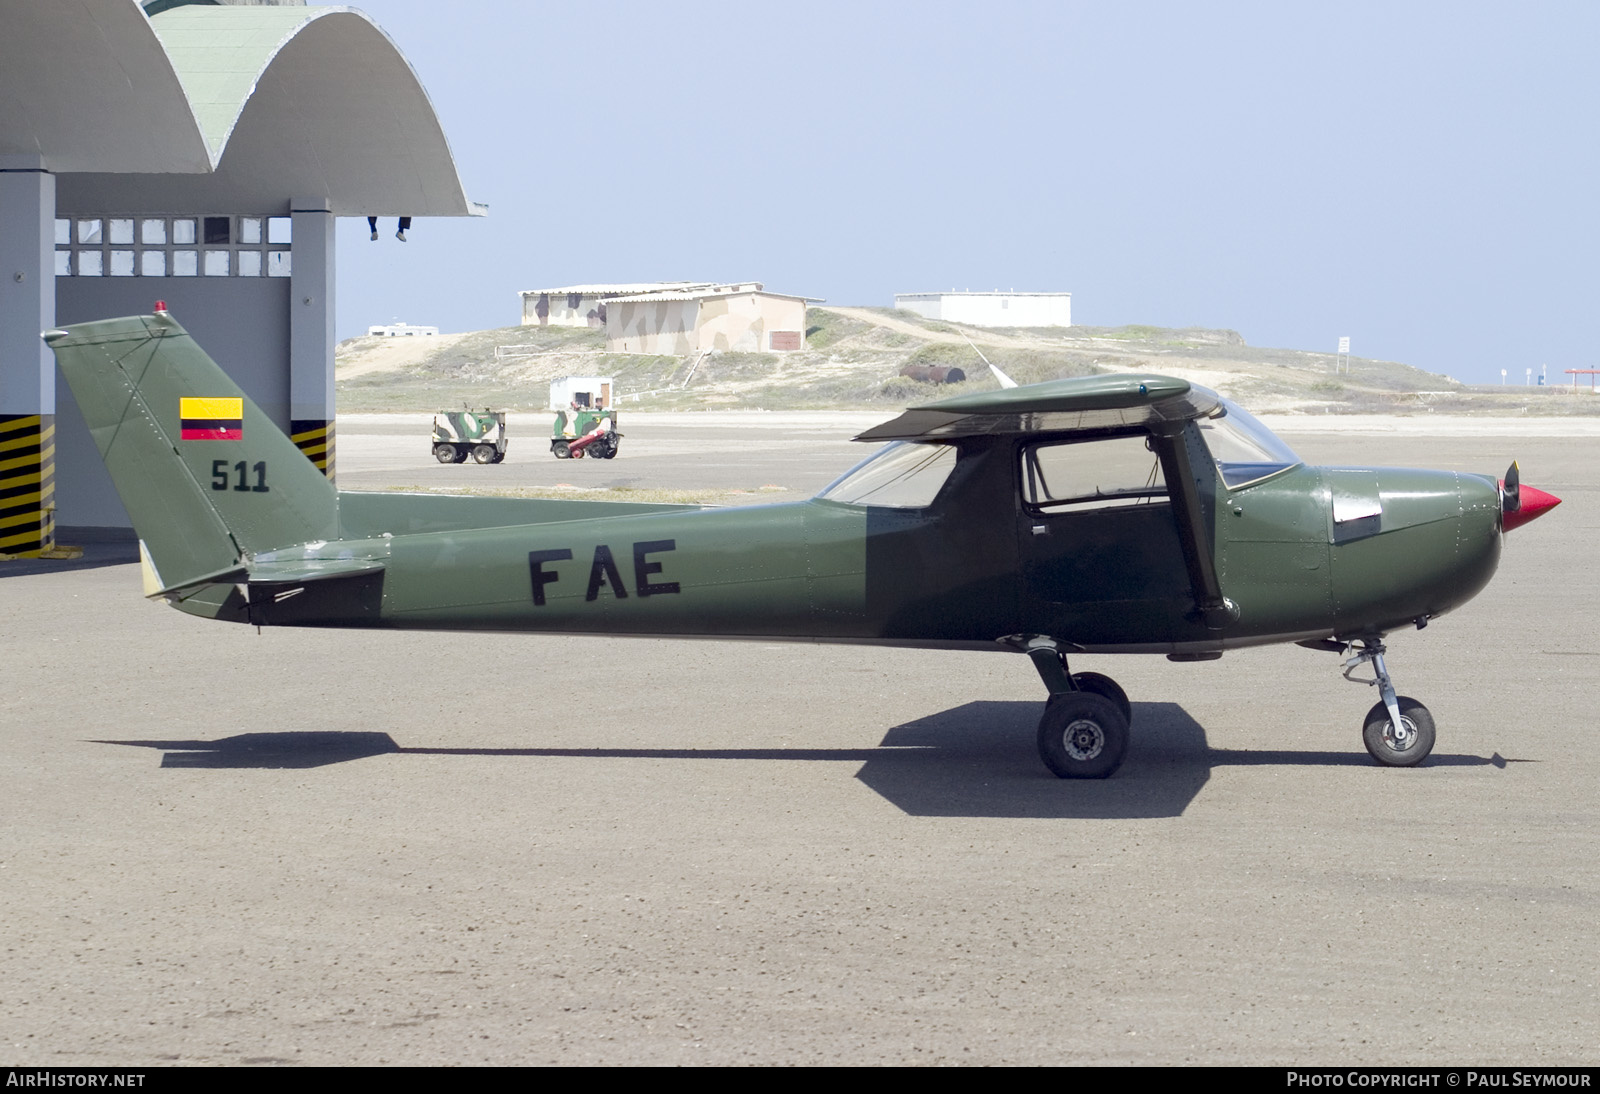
(303, 847)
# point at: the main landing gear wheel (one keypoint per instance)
(484, 453)
(1405, 746)
(446, 453)
(1105, 687)
(1082, 735)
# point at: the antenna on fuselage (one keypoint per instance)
(1005, 381)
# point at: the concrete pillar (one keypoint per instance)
(311, 332)
(27, 368)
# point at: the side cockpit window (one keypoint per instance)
(1092, 474)
(901, 475)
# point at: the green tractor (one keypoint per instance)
(480, 434)
(586, 421)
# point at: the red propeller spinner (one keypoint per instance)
(1519, 504)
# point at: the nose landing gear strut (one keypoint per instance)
(1398, 731)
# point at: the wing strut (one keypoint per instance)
(1173, 443)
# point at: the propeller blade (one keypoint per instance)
(1511, 490)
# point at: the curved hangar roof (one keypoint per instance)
(238, 108)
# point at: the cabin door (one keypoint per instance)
(1102, 562)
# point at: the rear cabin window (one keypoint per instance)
(901, 475)
(1092, 474)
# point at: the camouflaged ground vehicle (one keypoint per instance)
(586, 421)
(480, 434)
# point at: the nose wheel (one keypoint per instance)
(1398, 730)
(1403, 744)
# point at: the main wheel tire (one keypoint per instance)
(1406, 748)
(484, 453)
(445, 453)
(1082, 735)
(610, 453)
(1097, 684)
(562, 450)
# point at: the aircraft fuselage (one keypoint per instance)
(945, 575)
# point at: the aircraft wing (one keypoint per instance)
(1059, 406)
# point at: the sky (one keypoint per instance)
(1420, 177)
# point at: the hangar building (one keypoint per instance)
(197, 153)
(741, 316)
(585, 305)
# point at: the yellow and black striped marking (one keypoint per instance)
(27, 485)
(314, 437)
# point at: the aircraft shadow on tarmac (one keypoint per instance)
(974, 760)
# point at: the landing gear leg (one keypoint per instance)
(1084, 731)
(1398, 731)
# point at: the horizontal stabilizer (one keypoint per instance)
(305, 571)
(230, 575)
(298, 572)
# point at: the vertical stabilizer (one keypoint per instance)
(205, 475)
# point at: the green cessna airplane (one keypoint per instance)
(1108, 514)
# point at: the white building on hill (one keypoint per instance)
(991, 309)
(585, 305)
(401, 330)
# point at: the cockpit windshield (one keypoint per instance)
(1245, 450)
(902, 475)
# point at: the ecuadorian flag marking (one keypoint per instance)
(211, 419)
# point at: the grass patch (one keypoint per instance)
(948, 353)
(476, 351)
(1135, 333)
(827, 328)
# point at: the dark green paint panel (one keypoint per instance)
(1107, 576)
(1389, 580)
(1273, 552)
(750, 571)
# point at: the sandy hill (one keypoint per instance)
(854, 357)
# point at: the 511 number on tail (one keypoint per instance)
(220, 476)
